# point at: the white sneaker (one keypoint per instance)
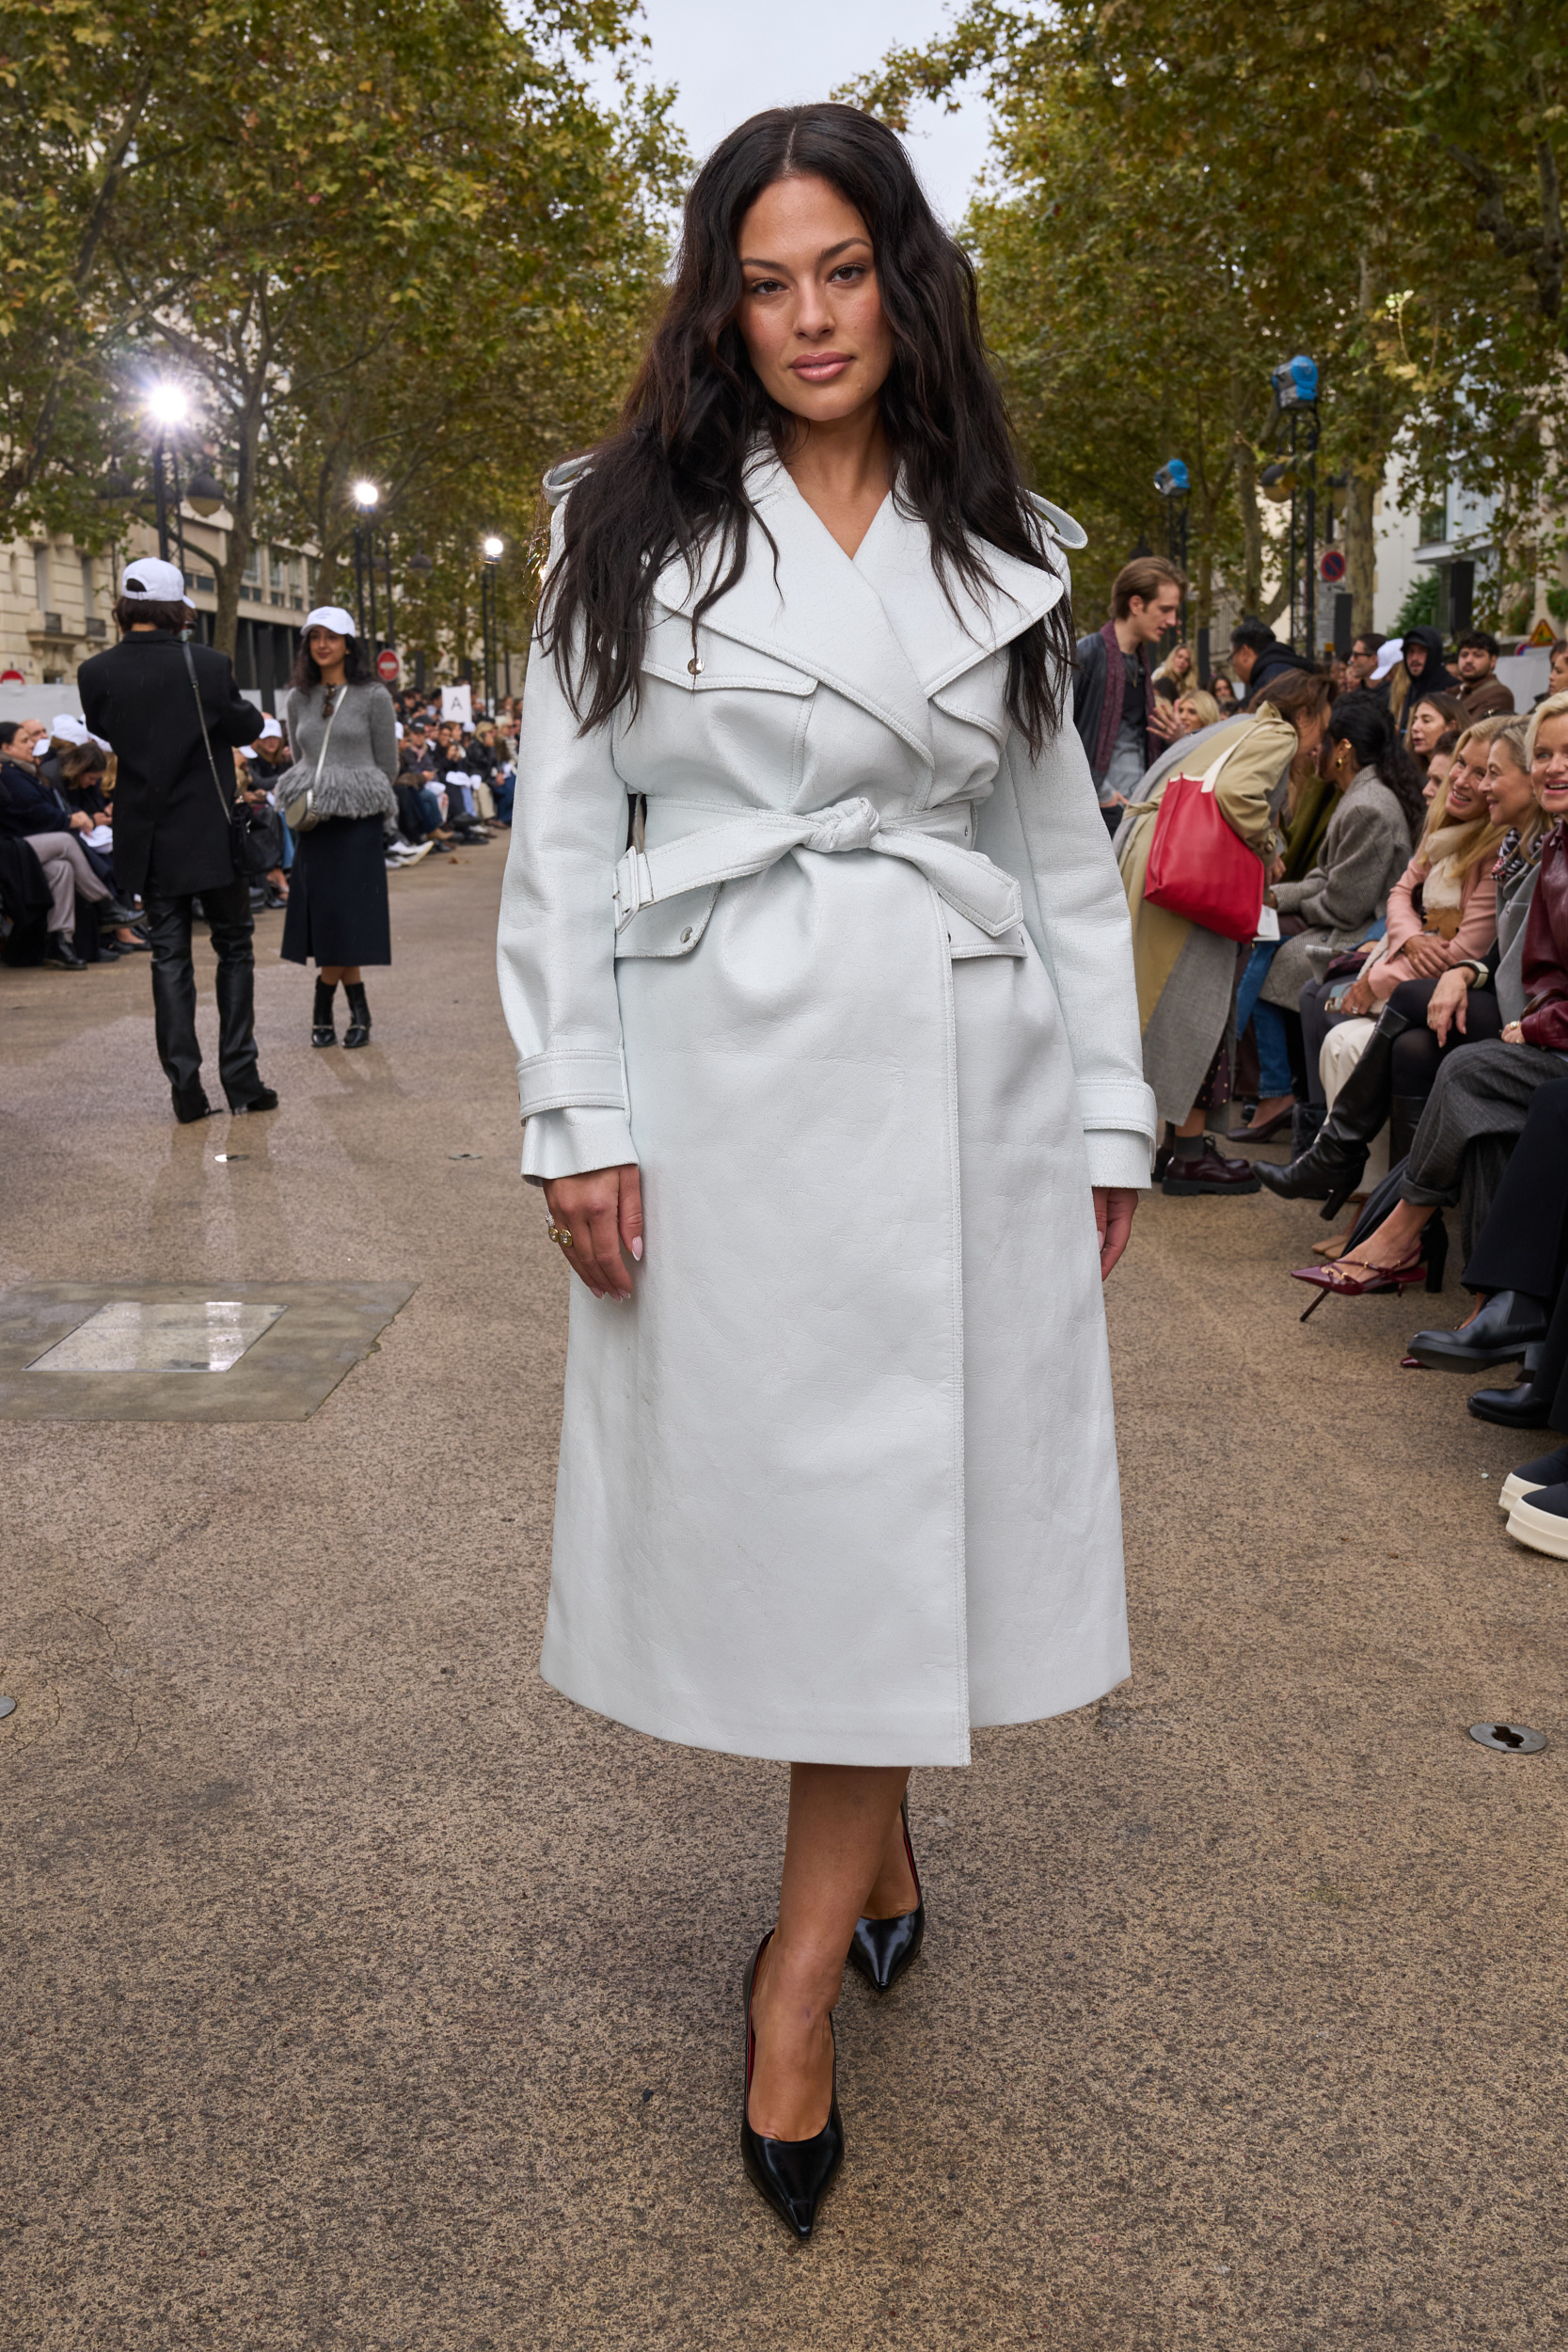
(415, 851)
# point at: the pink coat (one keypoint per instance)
(1478, 926)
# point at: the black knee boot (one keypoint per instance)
(359, 1030)
(1405, 1117)
(322, 1030)
(1330, 1171)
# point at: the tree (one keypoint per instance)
(346, 236)
(1294, 178)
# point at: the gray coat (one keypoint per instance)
(1365, 851)
(361, 752)
(1514, 904)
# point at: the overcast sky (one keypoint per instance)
(729, 58)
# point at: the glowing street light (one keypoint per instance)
(366, 495)
(166, 405)
(493, 549)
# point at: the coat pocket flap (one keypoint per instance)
(671, 927)
(966, 939)
(755, 675)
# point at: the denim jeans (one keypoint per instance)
(1268, 1021)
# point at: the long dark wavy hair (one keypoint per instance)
(672, 477)
(307, 670)
(1362, 721)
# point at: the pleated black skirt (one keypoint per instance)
(338, 910)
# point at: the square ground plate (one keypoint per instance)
(184, 1351)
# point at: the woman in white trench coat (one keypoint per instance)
(815, 955)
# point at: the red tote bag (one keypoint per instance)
(1197, 867)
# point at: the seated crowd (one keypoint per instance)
(58, 903)
(1401, 1012)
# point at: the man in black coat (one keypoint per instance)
(174, 790)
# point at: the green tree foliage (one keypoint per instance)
(1184, 194)
(403, 241)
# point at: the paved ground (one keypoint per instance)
(361, 1993)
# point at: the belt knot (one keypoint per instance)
(848, 825)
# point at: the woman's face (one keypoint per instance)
(1508, 788)
(1556, 672)
(1465, 799)
(327, 648)
(1549, 772)
(1426, 724)
(1189, 714)
(1440, 771)
(1180, 661)
(812, 314)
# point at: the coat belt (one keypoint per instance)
(733, 847)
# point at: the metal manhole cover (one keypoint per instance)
(1508, 1738)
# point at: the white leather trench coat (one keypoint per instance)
(841, 1482)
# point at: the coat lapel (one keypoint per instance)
(940, 642)
(822, 614)
(879, 629)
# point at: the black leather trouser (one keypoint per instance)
(169, 930)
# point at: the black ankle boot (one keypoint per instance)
(359, 1030)
(1331, 1170)
(322, 1030)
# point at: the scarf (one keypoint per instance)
(1514, 863)
(1110, 712)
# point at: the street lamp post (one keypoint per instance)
(493, 549)
(166, 406)
(1296, 397)
(1173, 482)
(366, 499)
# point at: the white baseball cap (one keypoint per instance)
(269, 728)
(67, 728)
(1390, 656)
(330, 616)
(150, 580)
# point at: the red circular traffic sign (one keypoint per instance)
(1331, 570)
(387, 666)
(11, 677)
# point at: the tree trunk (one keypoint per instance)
(1252, 526)
(1361, 542)
(242, 529)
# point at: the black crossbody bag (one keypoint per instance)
(249, 849)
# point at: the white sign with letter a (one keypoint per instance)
(457, 702)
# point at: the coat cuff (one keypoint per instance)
(567, 1078)
(570, 1142)
(1118, 1159)
(1126, 1103)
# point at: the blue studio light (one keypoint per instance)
(1173, 480)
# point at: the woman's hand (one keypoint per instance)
(1358, 1000)
(1448, 1008)
(1114, 1205)
(1514, 1034)
(603, 1213)
(1425, 955)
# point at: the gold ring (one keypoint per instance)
(560, 1233)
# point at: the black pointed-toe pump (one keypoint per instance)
(794, 2175)
(882, 1950)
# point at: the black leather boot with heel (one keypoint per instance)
(1330, 1170)
(322, 1030)
(359, 1030)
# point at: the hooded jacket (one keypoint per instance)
(1272, 663)
(1436, 678)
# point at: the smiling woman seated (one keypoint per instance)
(1484, 1091)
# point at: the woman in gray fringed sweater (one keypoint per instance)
(338, 912)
